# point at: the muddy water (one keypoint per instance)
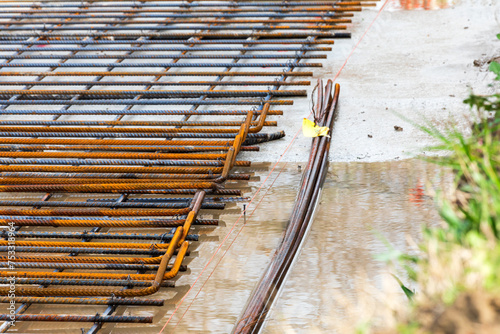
(359, 200)
(361, 206)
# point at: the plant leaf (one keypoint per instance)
(409, 294)
(495, 67)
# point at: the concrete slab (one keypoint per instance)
(418, 64)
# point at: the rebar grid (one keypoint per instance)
(64, 60)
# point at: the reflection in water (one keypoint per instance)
(424, 4)
(416, 195)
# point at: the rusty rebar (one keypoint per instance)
(25, 177)
(77, 318)
(111, 204)
(155, 73)
(83, 282)
(156, 83)
(134, 123)
(159, 149)
(84, 301)
(166, 237)
(105, 223)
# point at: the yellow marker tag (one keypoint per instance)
(310, 129)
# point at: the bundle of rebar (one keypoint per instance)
(121, 121)
(313, 177)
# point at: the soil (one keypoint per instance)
(484, 61)
(472, 313)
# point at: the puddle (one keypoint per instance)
(361, 204)
(358, 199)
(421, 4)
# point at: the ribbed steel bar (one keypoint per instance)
(124, 11)
(97, 212)
(109, 204)
(72, 222)
(133, 112)
(112, 176)
(81, 266)
(191, 22)
(78, 318)
(49, 218)
(171, 149)
(112, 169)
(121, 251)
(160, 36)
(140, 142)
(177, 41)
(146, 2)
(77, 26)
(157, 83)
(108, 134)
(151, 73)
(162, 56)
(135, 123)
(143, 102)
(252, 137)
(142, 65)
(199, 8)
(84, 282)
(190, 7)
(193, 131)
(167, 132)
(115, 162)
(65, 179)
(4, 48)
(167, 237)
(117, 4)
(156, 93)
(180, 16)
(84, 301)
(102, 188)
(169, 199)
